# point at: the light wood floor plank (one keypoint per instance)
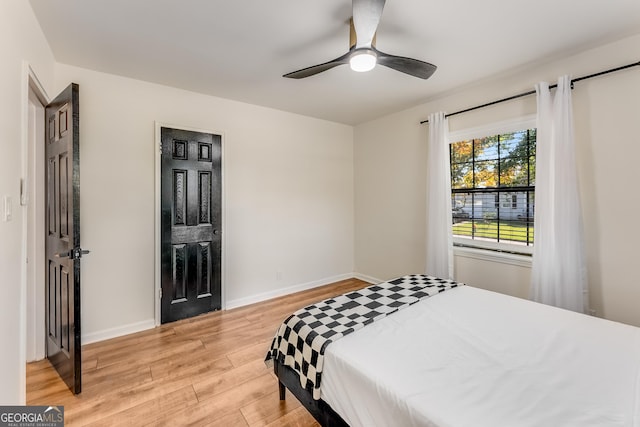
(195, 364)
(152, 410)
(216, 384)
(204, 371)
(248, 354)
(296, 418)
(268, 409)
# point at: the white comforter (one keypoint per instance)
(470, 357)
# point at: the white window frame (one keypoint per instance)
(497, 128)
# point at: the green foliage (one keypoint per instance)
(475, 163)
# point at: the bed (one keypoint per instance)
(471, 357)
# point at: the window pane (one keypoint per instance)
(530, 208)
(461, 152)
(514, 159)
(461, 207)
(516, 218)
(484, 206)
(505, 206)
(532, 170)
(513, 206)
(461, 175)
(532, 141)
(515, 232)
(486, 148)
(486, 174)
(513, 172)
(513, 144)
(485, 229)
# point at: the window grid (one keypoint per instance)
(506, 223)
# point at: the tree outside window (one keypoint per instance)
(493, 187)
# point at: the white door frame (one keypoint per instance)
(158, 174)
(35, 99)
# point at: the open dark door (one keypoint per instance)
(63, 252)
(190, 246)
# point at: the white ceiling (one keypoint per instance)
(239, 49)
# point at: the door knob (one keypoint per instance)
(75, 253)
(78, 252)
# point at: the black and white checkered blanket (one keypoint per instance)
(303, 337)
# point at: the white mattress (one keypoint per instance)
(470, 357)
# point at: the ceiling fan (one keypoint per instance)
(363, 55)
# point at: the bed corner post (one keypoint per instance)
(281, 387)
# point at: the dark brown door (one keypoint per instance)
(191, 223)
(63, 252)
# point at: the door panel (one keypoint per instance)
(62, 279)
(204, 269)
(190, 223)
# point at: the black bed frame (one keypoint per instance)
(321, 411)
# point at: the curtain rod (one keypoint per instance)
(532, 92)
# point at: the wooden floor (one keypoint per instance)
(208, 370)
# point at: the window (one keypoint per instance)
(493, 190)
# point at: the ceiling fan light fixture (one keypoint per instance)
(363, 60)
(362, 55)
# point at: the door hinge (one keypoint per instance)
(160, 293)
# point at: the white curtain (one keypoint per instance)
(439, 261)
(558, 275)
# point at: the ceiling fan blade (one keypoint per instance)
(366, 17)
(315, 69)
(413, 67)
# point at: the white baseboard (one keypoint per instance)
(150, 324)
(285, 291)
(367, 279)
(118, 332)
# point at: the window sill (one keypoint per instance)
(493, 256)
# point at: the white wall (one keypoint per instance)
(390, 155)
(290, 187)
(20, 40)
(288, 190)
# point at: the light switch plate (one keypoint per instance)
(8, 209)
